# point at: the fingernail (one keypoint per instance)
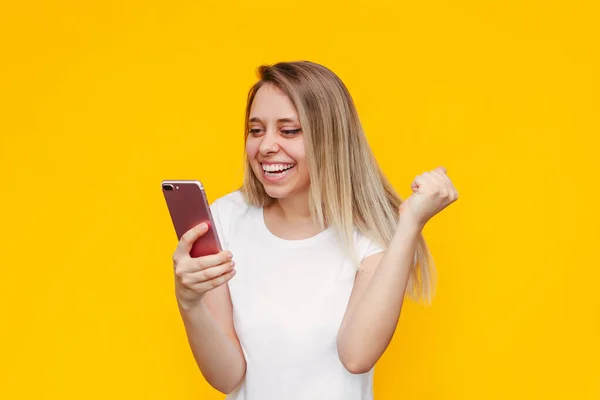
(232, 263)
(229, 255)
(203, 226)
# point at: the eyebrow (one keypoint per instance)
(292, 119)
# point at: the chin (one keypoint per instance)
(276, 192)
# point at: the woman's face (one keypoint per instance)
(275, 144)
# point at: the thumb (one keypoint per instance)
(188, 238)
(441, 169)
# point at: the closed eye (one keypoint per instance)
(291, 132)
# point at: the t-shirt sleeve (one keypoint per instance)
(373, 248)
(366, 247)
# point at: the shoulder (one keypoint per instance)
(226, 213)
(231, 201)
(366, 245)
(230, 206)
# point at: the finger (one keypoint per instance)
(207, 274)
(418, 182)
(440, 169)
(440, 185)
(214, 283)
(200, 263)
(427, 181)
(437, 178)
(447, 182)
(188, 238)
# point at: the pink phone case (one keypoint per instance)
(188, 207)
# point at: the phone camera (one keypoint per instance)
(167, 187)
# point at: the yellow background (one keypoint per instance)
(103, 100)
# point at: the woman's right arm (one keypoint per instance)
(205, 306)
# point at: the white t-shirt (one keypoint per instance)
(289, 298)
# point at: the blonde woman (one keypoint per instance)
(319, 250)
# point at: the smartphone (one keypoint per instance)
(188, 206)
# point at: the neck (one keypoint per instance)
(294, 208)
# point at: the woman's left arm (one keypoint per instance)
(376, 300)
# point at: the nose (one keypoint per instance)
(268, 144)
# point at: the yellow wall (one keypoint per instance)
(101, 101)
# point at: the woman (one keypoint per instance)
(323, 247)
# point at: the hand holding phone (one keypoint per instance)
(196, 276)
(199, 262)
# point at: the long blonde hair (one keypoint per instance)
(348, 190)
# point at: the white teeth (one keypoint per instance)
(276, 167)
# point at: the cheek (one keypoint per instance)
(304, 173)
(297, 152)
(251, 148)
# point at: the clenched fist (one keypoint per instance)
(432, 192)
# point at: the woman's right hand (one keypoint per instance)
(196, 276)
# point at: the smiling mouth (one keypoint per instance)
(276, 170)
(276, 167)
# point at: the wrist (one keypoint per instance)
(188, 305)
(410, 224)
